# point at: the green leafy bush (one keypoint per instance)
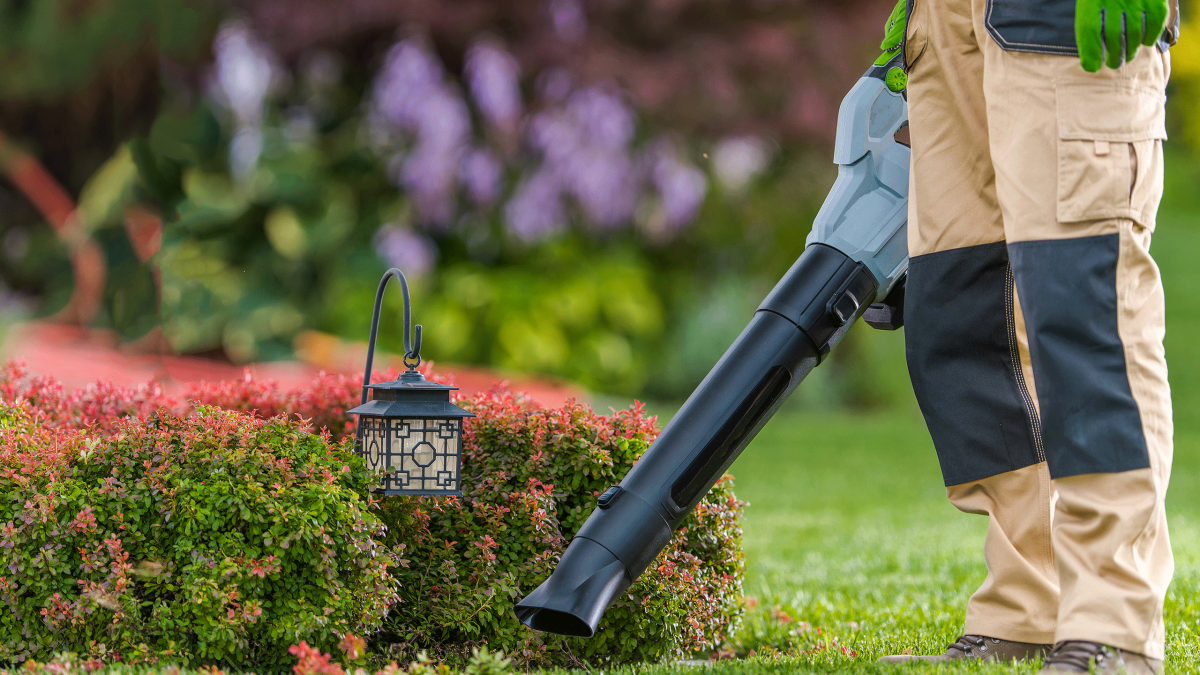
(216, 538)
(135, 527)
(530, 479)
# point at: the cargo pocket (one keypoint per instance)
(1037, 26)
(1110, 163)
(916, 40)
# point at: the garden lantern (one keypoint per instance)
(408, 431)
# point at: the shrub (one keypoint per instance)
(216, 538)
(232, 487)
(530, 479)
(321, 405)
(98, 406)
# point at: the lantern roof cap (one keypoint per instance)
(411, 379)
(432, 409)
(411, 395)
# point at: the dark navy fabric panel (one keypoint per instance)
(1047, 26)
(1068, 291)
(960, 360)
(1039, 26)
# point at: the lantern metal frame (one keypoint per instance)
(408, 430)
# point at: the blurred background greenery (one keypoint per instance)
(598, 190)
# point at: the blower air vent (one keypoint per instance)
(731, 439)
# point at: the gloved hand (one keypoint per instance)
(1115, 29)
(894, 33)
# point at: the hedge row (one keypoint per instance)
(137, 527)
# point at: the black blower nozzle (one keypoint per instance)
(571, 603)
(794, 328)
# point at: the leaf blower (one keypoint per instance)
(853, 265)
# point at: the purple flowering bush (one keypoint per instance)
(547, 227)
(511, 157)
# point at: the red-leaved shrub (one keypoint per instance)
(212, 538)
(322, 404)
(530, 479)
(154, 526)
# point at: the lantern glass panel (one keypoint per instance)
(424, 455)
(372, 434)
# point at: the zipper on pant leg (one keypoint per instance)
(1014, 350)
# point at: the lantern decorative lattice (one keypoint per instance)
(408, 431)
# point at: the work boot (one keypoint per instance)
(1078, 656)
(978, 647)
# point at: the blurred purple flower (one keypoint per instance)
(412, 96)
(494, 78)
(555, 134)
(584, 145)
(409, 72)
(430, 172)
(536, 208)
(569, 19)
(443, 119)
(604, 183)
(681, 186)
(244, 72)
(554, 84)
(602, 116)
(413, 253)
(481, 172)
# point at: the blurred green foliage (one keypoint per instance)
(246, 264)
(249, 261)
(49, 47)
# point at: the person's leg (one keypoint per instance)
(964, 332)
(1078, 160)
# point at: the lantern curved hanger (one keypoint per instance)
(412, 346)
(410, 434)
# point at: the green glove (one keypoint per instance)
(1115, 29)
(894, 33)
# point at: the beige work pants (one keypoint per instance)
(1034, 324)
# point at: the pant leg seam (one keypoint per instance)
(1125, 240)
(1045, 487)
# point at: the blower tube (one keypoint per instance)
(795, 327)
(857, 251)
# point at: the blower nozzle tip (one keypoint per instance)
(575, 596)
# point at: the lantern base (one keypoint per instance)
(384, 492)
